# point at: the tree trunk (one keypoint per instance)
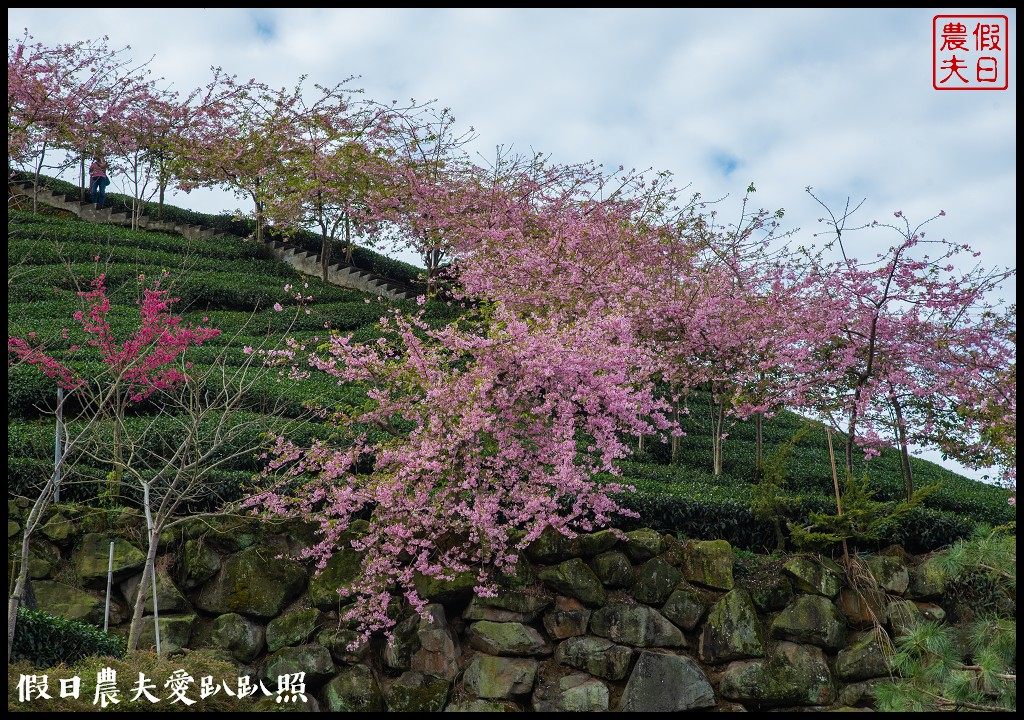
(114, 486)
(35, 188)
(259, 218)
(901, 429)
(325, 254)
(139, 608)
(21, 584)
(162, 186)
(14, 600)
(758, 446)
(716, 438)
(674, 455)
(148, 577)
(348, 240)
(851, 430)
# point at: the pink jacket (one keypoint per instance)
(98, 169)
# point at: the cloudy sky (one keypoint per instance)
(840, 100)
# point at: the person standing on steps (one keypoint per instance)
(98, 181)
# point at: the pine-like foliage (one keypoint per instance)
(941, 667)
(863, 518)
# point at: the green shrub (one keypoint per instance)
(863, 518)
(47, 640)
(925, 529)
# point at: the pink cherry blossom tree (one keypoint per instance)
(493, 432)
(420, 202)
(59, 97)
(906, 330)
(336, 161)
(135, 366)
(239, 140)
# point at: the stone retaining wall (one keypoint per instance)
(645, 623)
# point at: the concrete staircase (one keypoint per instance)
(306, 262)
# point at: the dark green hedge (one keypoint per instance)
(86, 484)
(702, 506)
(47, 640)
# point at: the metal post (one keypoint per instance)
(110, 581)
(57, 444)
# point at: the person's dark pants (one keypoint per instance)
(98, 189)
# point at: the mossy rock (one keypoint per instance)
(198, 563)
(613, 569)
(928, 579)
(239, 636)
(635, 625)
(507, 606)
(43, 559)
(553, 547)
(732, 630)
(498, 678)
(403, 643)
(175, 632)
(130, 520)
(226, 533)
(812, 619)
(66, 601)
(92, 558)
(292, 629)
(862, 659)
(890, 573)
(416, 692)
(793, 675)
(507, 638)
(253, 582)
(810, 576)
(355, 689)
(643, 544)
(655, 581)
(596, 543)
(169, 598)
(685, 607)
(662, 683)
(341, 570)
(58, 528)
(339, 642)
(709, 563)
(454, 590)
(597, 656)
(575, 579)
(314, 660)
(476, 705)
